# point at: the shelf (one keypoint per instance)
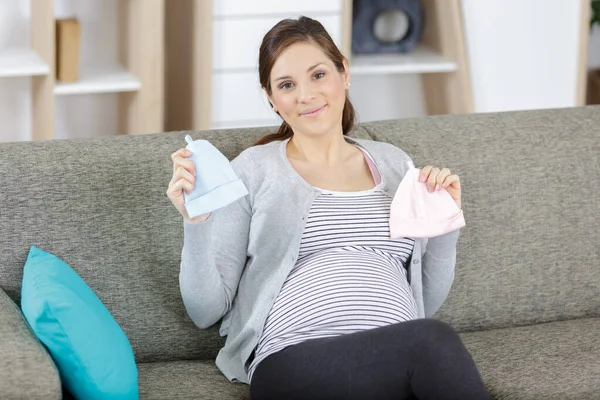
(421, 60)
(21, 62)
(105, 80)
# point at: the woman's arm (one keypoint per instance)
(440, 255)
(213, 258)
(439, 261)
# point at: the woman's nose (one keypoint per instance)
(305, 94)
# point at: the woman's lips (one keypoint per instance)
(313, 112)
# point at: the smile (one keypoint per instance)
(313, 112)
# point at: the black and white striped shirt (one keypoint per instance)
(349, 276)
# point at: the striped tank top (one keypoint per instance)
(349, 275)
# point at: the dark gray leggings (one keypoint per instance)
(422, 359)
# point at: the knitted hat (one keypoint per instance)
(417, 213)
(216, 183)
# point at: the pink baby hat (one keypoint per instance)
(417, 213)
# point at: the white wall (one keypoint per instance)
(522, 54)
(387, 96)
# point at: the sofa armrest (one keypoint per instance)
(26, 369)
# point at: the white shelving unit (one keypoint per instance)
(420, 61)
(21, 62)
(121, 68)
(114, 79)
(436, 71)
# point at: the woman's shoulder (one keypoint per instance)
(384, 151)
(256, 161)
(255, 155)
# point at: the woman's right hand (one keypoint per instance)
(184, 176)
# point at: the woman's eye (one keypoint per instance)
(319, 75)
(286, 85)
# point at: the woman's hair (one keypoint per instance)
(286, 33)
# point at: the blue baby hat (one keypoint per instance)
(216, 183)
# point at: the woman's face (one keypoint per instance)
(307, 90)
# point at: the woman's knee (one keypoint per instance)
(436, 334)
(436, 326)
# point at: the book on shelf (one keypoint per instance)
(68, 38)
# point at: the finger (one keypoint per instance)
(424, 174)
(187, 186)
(183, 173)
(432, 179)
(172, 183)
(180, 185)
(444, 173)
(452, 180)
(173, 180)
(186, 164)
(183, 152)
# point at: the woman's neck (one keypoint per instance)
(324, 150)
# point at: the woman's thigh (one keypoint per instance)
(371, 364)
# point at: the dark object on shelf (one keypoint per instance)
(593, 92)
(595, 15)
(386, 26)
(68, 37)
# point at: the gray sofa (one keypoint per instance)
(526, 298)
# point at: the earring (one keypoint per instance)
(348, 85)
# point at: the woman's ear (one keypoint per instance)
(270, 100)
(346, 72)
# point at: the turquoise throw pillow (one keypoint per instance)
(91, 352)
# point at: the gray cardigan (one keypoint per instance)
(234, 264)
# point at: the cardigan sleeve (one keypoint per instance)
(214, 256)
(439, 261)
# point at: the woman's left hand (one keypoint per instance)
(436, 179)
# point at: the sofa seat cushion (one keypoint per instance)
(179, 380)
(557, 360)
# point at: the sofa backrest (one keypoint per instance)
(101, 206)
(530, 249)
(529, 252)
